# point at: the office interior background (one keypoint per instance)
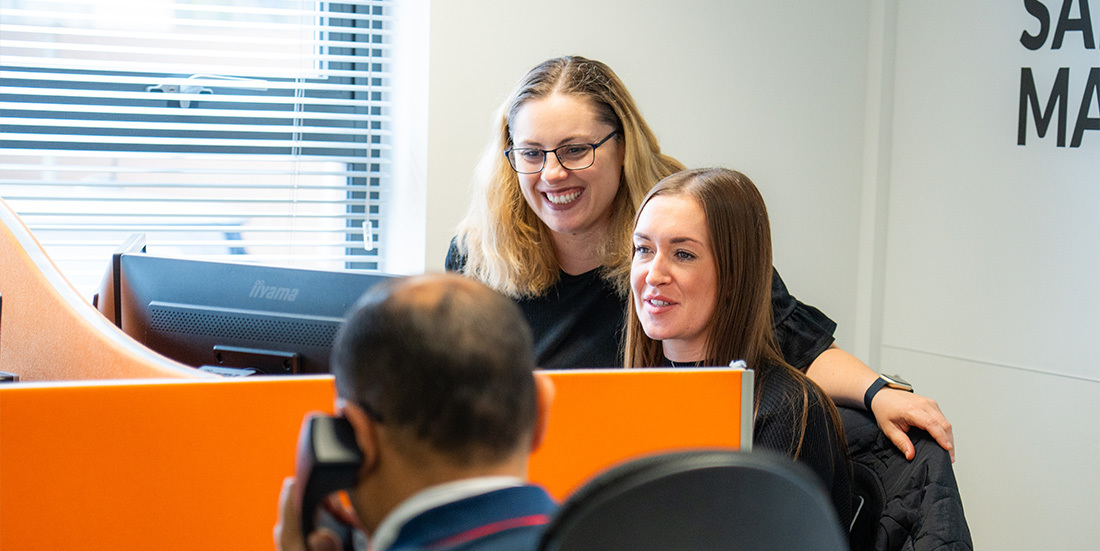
(886, 138)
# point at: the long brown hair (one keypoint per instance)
(506, 245)
(741, 323)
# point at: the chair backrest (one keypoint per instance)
(700, 501)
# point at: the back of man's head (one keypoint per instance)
(444, 360)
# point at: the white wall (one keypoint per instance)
(883, 135)
(774, 89)
(992, 259)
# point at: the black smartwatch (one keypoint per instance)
(888, 381)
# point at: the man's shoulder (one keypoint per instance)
(521, 538)
(507, 519)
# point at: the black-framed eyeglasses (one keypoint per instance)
(574, 156)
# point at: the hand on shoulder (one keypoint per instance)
(896, 411)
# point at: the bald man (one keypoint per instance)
(435, 375)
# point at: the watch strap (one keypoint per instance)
(872, 391)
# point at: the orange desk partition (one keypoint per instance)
(602, 417)
(166, 465)
(183, 465)
(48, 332)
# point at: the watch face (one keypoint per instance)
(894, 381)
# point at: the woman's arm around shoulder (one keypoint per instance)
(845, 379)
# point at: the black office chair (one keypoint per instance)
(906, 505)
(698, 501)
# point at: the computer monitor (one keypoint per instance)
(231, 318)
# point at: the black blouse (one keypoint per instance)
(579, 322)
(778, 416)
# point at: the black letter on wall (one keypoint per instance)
(1058, 96)
(1036, 8)
(1084, 122)
(1084, 24)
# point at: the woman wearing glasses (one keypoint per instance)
(550, 222)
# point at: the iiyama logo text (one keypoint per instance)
(259, 290)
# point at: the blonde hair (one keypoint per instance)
(505, 243)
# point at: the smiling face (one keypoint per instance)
(674, 275)
(572, 203)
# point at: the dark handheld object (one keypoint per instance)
(328, 461)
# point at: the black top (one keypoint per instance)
(917, 501)
(779, 413)
(579, 322)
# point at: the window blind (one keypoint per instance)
(246, 130)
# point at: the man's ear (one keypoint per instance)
(366, 433)
(544, 395)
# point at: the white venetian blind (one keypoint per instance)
(253, 130)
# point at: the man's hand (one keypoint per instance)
(288, 528)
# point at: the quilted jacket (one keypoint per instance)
(906, 505)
